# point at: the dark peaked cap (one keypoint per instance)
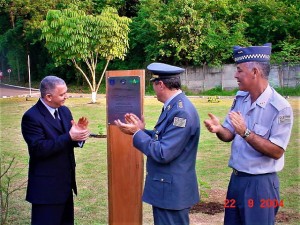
(252, 53)
(163, 71)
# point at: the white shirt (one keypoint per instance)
(51, 110)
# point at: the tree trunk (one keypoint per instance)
(94, 96)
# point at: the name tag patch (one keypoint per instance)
(284, 119)
(179, 122)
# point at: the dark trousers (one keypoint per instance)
(170, 217)
(252, 199)
(54, 214)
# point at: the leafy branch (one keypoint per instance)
(6, 186)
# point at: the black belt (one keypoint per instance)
(243, 174)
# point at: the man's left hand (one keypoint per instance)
(238, 122)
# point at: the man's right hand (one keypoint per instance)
(79, 131)
(213, 124)
(83, 122)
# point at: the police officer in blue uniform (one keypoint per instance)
(171, 185)
(259, 125)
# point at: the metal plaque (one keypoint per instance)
(123, 96)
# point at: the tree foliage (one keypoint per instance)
(189, 32)
(20, 20)
(183, 32)
(168, 32)
(73, 36)
(223, 28)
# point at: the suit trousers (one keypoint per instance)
(53, 214)
(170, 217)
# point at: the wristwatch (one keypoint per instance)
(247, 133)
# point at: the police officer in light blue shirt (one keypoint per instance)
(259, 125)
(171, 185)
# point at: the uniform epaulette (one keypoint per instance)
(238, 94)
(279, 102)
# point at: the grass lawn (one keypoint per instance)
(91, 205)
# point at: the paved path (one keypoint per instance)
(7, 91)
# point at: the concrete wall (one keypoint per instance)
(199, 79)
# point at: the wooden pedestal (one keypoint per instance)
(125, 167)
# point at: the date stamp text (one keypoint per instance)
(264, 203)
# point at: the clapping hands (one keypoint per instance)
(79, 131)
(213, 124)
(132, 124)
(83, 123)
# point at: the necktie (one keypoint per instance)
(56, 114)
(58, 121)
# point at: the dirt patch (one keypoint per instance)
(285, 217)
(210, 211)
(210, 208)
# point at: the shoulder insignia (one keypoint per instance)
(284, 119)
(179, 122)
(180, 104)
(168, 107)
(233, 104)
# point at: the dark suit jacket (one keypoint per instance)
(51, 175)
(171, 150)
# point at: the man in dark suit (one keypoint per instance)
(171, 185)
(51, 135)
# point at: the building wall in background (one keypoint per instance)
(204, 78)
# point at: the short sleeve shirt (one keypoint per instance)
(271, 117)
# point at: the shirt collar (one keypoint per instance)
(263, 99)
(171, 98)
(50, 109)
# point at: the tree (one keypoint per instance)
(72, 36)
(169, 32)
(223, 28)
(19, 37)
(288, 56)
(126, 8)
(188, 32)
(272, 20)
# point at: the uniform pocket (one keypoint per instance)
(164, 178)
(260, 130)
(162, 186)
